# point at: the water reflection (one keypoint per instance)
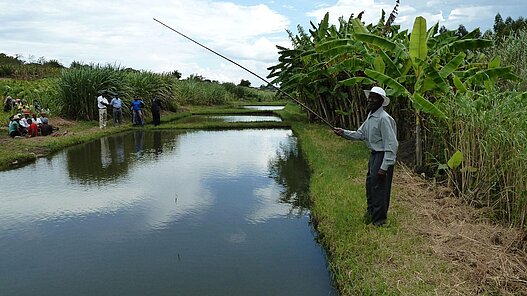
(163, 213)
(288, 168)
(244, 118)
(108, 159)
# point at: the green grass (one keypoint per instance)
(365, 260)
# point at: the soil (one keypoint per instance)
(487, 258)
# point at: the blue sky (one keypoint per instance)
(124, 33)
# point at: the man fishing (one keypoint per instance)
(379, 132)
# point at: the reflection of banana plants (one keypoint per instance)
(290, 170)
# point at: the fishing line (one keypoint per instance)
(263, 79)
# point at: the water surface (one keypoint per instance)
(242, 118)
(265, 108)
(163, 213)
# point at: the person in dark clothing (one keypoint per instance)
(379, 132)
(8, 104)
(46, 129)
(156, 109)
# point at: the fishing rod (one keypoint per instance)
(263, 79)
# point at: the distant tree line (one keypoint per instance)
(500, 30)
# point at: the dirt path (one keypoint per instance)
(484, 254)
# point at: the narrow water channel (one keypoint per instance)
(163, 213)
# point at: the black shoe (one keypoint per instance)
(379, 223)
(367, 218)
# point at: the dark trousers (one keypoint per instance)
(117, 116)
(156, 117)
(378, 189)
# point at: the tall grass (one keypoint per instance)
(148, 85)
(79, 87)
(512, 50)
(192, 92)
(491, 132)
(244, 93)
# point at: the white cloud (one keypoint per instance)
(372, 10)
(125, 33)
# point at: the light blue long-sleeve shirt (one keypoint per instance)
(379, 132)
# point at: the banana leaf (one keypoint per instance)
(324, 46)
(356, 80)
(493, 73)
(426, 106)
(452, 65)
(465, 44)
(358, 26)
(434, 81)
(388, 81)
(350, 65)
(379, 64)
(418, 47)
(376, 40)
(459, 84)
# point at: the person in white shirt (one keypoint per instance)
(102, 104)
(379, 132)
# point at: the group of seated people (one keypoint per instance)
(20, 126)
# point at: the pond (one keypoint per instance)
(163, 213)
(238, 118)
(265, 108)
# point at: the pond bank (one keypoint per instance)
(433, 243)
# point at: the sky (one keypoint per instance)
(124, 33)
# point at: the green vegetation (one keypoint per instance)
(15, 67)
(452, 91)
(489, 129)
(425, 73)
(39, 94)
(365, 260)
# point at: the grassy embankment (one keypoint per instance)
(365, 260)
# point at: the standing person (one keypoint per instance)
(379, 132)
(137, 115)
(8, 104)
(102, 104)
(156, 109)
(117, 112)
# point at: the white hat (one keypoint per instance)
(380, 92)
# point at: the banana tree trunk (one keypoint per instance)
(418, 141)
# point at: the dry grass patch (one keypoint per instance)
(487, 258)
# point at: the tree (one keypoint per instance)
(9, 60)
(498, 24)
(245, 83)
(175, 74)
(461, 31)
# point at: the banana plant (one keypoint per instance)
(428, 64)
